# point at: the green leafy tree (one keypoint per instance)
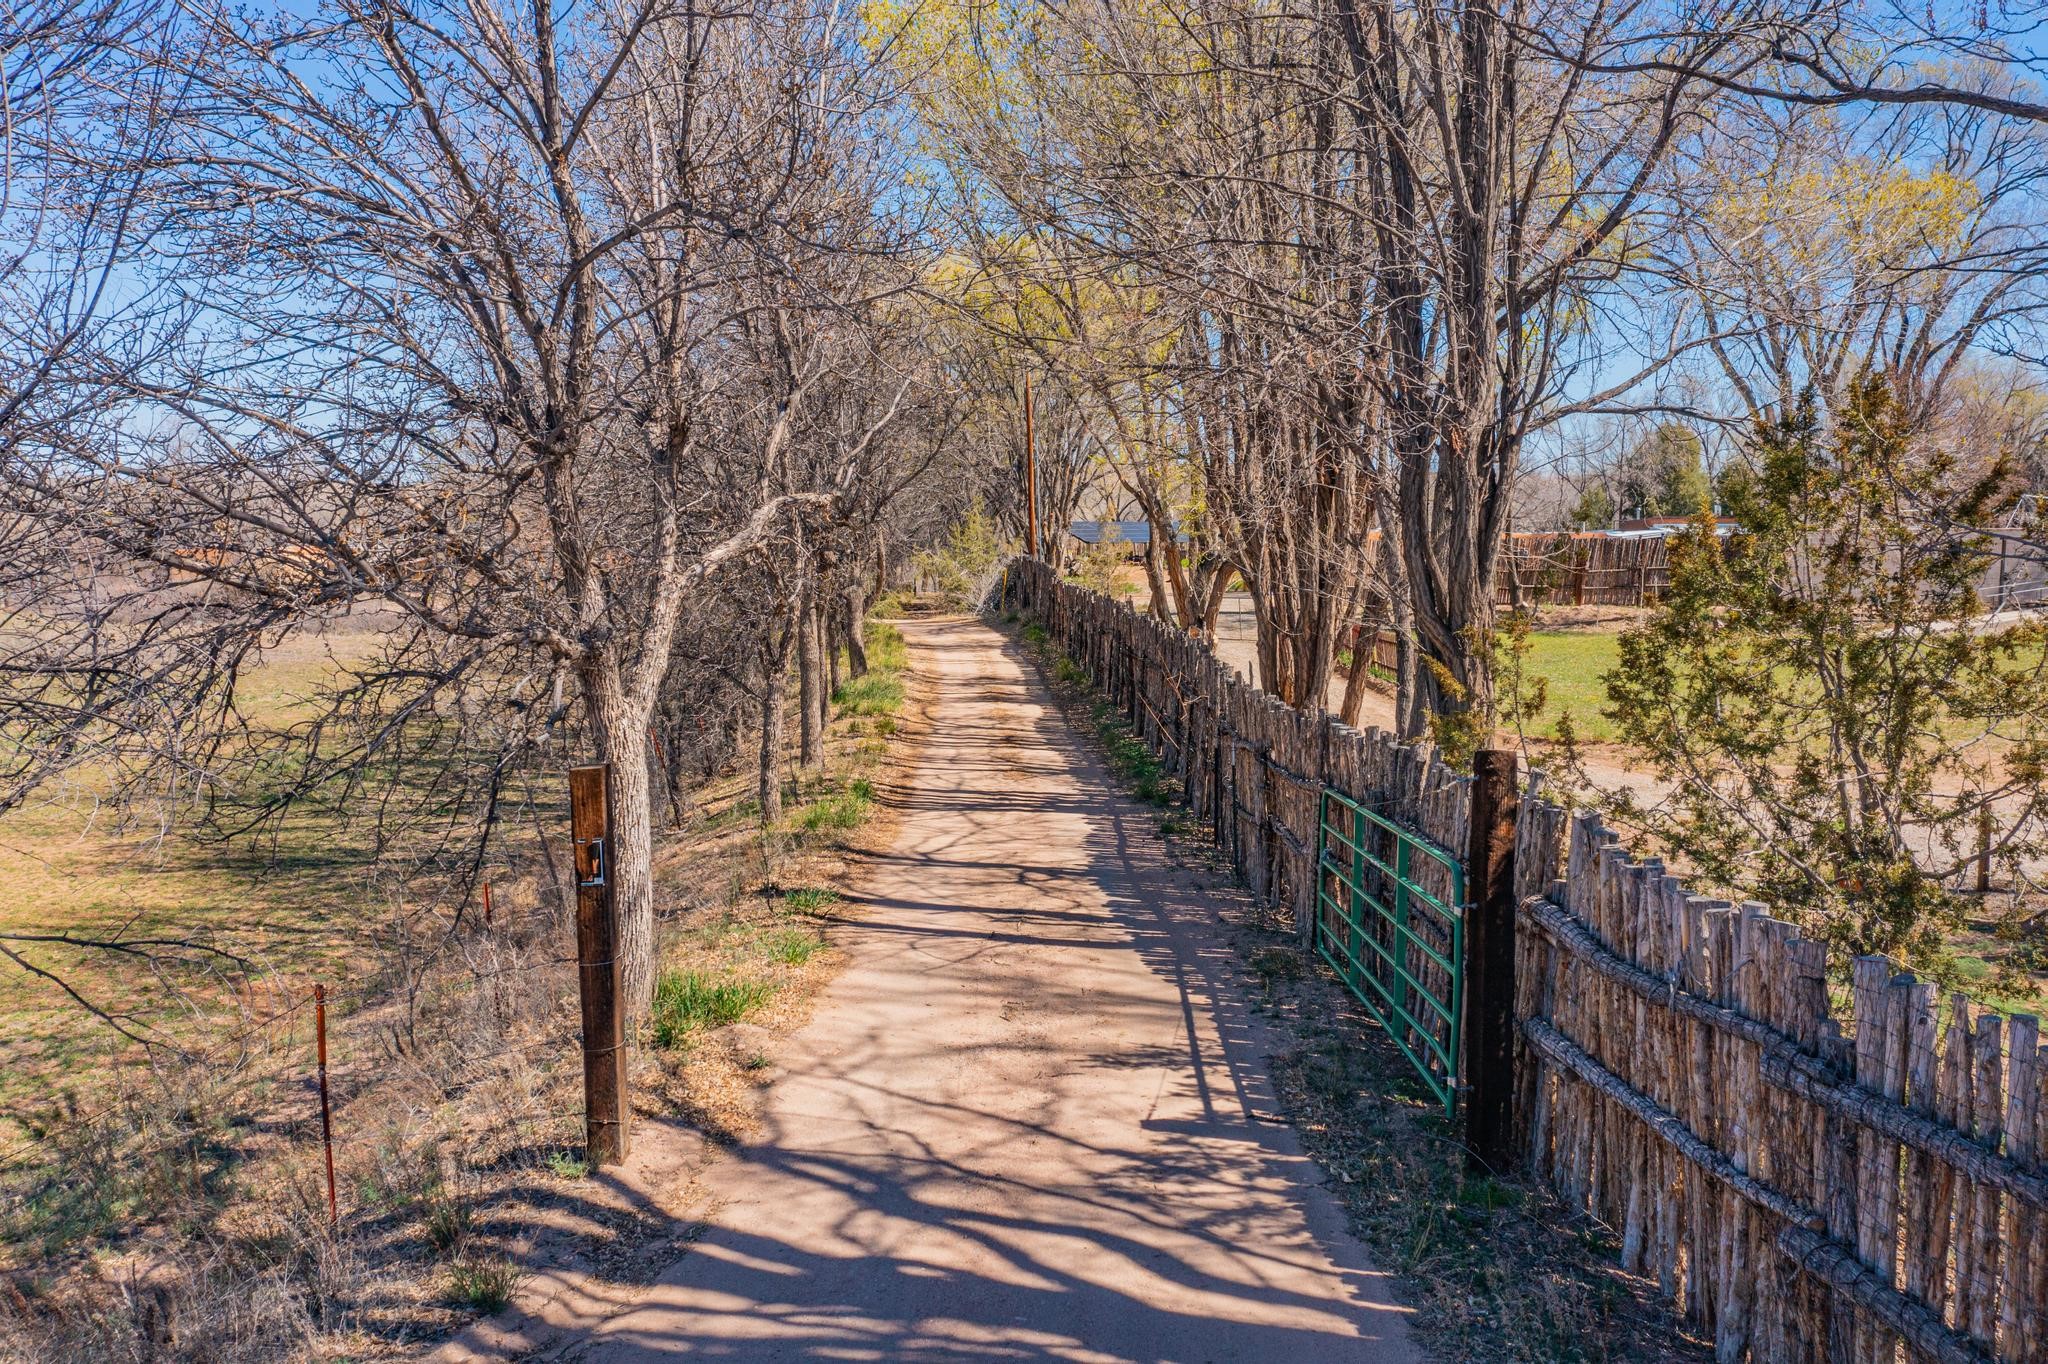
(1594, 511)
(962, 567)
(1665, 474)
(1822, 694)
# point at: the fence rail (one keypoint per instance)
(1565, 569)
(1810, 1185)
(1806, 1183)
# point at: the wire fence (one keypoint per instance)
(269, 1063)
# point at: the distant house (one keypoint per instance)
(1670, 525)
(1133, 535)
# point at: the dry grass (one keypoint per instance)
(1496, 1269)
(187, 1220)
(72, 862)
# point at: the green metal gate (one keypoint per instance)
(1390, 920)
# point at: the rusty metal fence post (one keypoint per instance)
(326, 1118)
(605, 1135)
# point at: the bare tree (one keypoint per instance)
(455, 277)
(1821, 252)
(68, 84)
(1845, 53)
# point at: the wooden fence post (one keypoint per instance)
(597, 968)
(1489, 1059)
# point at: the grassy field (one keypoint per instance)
(1573, 661)
(303, 902)
(456, 1109)
(1571, 664)
(72, 862)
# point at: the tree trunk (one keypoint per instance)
(1363, 647)
(774, 680)
(1164, 605)
(821, 642)
(620, 738)
(856, 651)
(829, 630)
(810, 683)
(1454, 631)
(1411, 720)
(1219, 588)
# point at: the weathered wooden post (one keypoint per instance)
(1489, 1059)
(597, 968)
(1984, 833)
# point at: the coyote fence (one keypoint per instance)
(1811, 1170)
(1579, 568)
(1560, 568)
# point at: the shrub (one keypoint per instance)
(689, 1002)
(973, 551)
(485, 1285)
(447, 1224)
(1818, 689)
(794, 946)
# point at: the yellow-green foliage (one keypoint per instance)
(972, 550)
(1095, 566)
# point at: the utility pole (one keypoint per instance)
(1030, 477)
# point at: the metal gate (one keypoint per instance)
(1390, 920)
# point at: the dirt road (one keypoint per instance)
(1030, 1120)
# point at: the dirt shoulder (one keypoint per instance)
(736, 904)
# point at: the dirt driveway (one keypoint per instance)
(1030, 1120)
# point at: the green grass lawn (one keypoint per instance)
(1571, 663)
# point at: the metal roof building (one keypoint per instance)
(1137, 534)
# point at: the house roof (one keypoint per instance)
(1123, 532)
(1665, 530)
